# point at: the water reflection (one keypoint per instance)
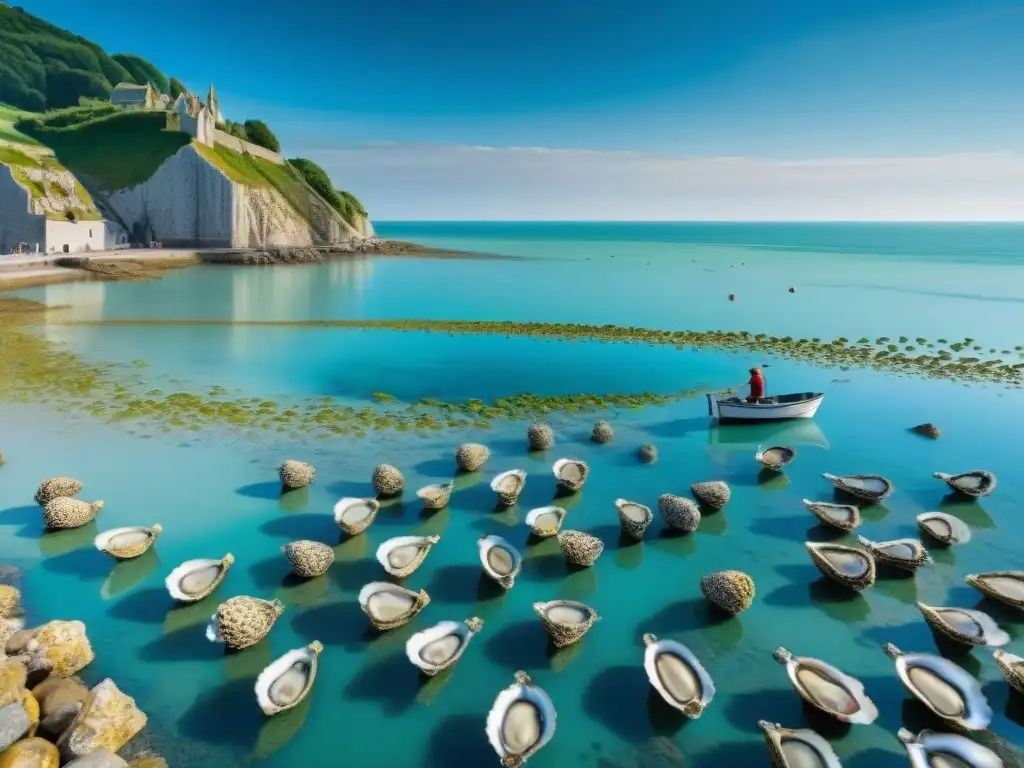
(128, 574)
(751, 437)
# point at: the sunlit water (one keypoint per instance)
(214, 492)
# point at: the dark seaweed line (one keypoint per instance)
(880, 354)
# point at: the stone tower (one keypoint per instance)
(212, 104)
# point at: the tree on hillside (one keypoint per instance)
(64, 87)
(176, 88)
(259, 133)
(317, 178)
(142, 71)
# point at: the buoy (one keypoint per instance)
(792, 289)
(732, 297)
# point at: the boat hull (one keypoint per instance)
(782, 408)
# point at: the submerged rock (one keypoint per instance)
(63, 645)
(540, 437)
(295, 474)
(927, 429)
(10, 601)
(387, 480)
(469, 457)
(109, 719)
(56, 487)
(148, 761)
(602, 432)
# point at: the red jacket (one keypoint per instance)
(756, 385)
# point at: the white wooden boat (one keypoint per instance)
(799, 405)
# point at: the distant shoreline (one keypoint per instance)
(31, 270)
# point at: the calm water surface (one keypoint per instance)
(215, 492)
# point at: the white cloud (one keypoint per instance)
(422, 181)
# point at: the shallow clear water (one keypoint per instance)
(215, 492)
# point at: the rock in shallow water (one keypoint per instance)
(102, 758)
(14, 723)
(62, 644)
(10, 601)
(56, 692)
(31, 753)
(109, 719)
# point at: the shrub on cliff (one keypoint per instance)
(142, 71)
(351, 209)
(259, 133)
(175, 88)
(318, 179)
(64, 87)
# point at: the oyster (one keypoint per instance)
(828, 689)
(647, 453)
(193, 580)
(390, 606)
(730, 591)
(355, 515)
(436, 496)
(402, 555)
(801, 748)
(387, 480)
(545, 521)
(944, 687)
(580, 548)
(308, 559)
(501, 561)
(927, 430)
(295, 474)
(680, 513)
(440, 646)
(1004, 586)
(521, 721)
(566, 621)
(845, 517)
(776, 457)
(964, 625)
(469, 457)
(907, 554)
(1012, 668)
(127, 543)
(62, 513)
(634, 518)
(571, 474)
(602, 432)
(677, 675)
(56, 487)
(873, 488)
(944, 528)
(508, 486)
(713, 494)
(540, 437)
(288, 680)
(853, 568)
(976, 483)
(946, 750)
(241, 622)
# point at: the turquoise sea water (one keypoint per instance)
(215, 491)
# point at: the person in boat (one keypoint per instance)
(756, 385)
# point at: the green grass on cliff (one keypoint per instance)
(8, 117)
(113, 150)
(19, 162)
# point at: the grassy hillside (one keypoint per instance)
(112, 148)
(344, 203)
(45, 67)
(8, 117)
(21, 162)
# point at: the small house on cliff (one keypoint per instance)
(135, 96)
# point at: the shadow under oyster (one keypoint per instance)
(677, 675)
(800, 748)
(827, 688)
(521, 721)
(944, 687)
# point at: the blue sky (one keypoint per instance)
(391, 95)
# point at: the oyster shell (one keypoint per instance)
(571, 474)
(802, 748)
(436, 496)
(295, 474)
(402, 555)
(845, 517)
(1005, 586)
(927, 430)
(241, 622)
(907, 554)
(440, 646)
(193, 580)
(508, 486)
(827, 688)
(679, 513)
(946, 750)
(387, 480)
(390, 606)
(964, 625)
(286, 681)
(566, 621)
(713, 494)
(127, 543)
(469, 457)
(647, 453)
(776, 457)
(580, 548)
(63, 513)
(731, 591)
(602, 432)
(677, 675)
(853, 568)
(1012, 668)
(521, 721)
(633, 517)
(545, 521)
(944, 528)
(975, 484)
(944, 687)
(540, 437)
(308, 559)
(873, 488)
(56, 487)
(500, 560)
(355, 515)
